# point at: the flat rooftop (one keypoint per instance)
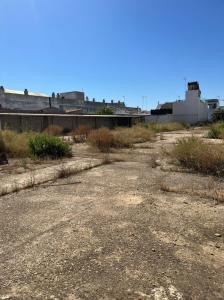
(71, 115)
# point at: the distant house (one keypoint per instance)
(163, 109)
(213, 105)
(192, 110)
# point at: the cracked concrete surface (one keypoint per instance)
(112, 233)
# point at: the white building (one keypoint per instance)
(192, 110)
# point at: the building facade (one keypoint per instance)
(63, 102)
(192, 110)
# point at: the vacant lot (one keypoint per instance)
(139, 228)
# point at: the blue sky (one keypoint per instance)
(113, 48)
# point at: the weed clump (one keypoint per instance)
(80, 134)
(216, 131)
(195, 154)
(43, 146)
(54, 130)
(105, 139)
(101, 138)
(167, 127)
(16, 144)
(126, 137)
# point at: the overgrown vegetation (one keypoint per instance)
(29, 144)
(163, 127)
(80, 134)
(218, 115)
(43, 146)
(216, 131)
(3, 156)
(195, 154)
(2, 144)
(17, 144)
(104, 139)
(54, 130)
(126, 137)
(101, 138)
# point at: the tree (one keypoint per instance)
(106, 111)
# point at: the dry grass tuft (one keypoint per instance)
(101, 138)
(216, 194)
(104, 139)
(216, 131)
(126, 137)
(166, 127)
(17, 144)
(193, 153)
(22, 145)
(54, 130)
(80, 134)
(65, 172)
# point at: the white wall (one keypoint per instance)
(192, 109)
(159, 118)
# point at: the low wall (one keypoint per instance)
(39, 122)
(189, 119)
(159, 118)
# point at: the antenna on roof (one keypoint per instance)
(144, 99)
(185, 83)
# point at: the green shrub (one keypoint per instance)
(48, 146)
(193, 153)
(216, 131)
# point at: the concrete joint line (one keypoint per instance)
(33, 178)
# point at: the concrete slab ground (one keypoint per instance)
(15, 183)
(113, 232)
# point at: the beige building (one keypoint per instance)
(66, 101)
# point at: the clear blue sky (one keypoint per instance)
(113, 48)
